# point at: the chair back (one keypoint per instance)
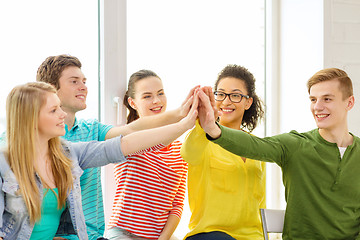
(272, 221)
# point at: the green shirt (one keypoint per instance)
(322, 190)
(46, 227)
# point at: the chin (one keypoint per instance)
(322, 127)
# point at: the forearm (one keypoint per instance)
(249, 146)
(157, 120)
(146, 122)
(169, 227)
(213, 131)
(140, 140)
(163, 135)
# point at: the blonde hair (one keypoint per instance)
(22, 112)
(328, 74)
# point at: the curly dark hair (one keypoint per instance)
(255, 112)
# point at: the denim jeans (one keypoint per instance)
(211, 236)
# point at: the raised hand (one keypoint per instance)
(206, 114)
(192, 114)
(186, 105)
(209, 92)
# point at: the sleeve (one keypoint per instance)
(194, 145)
(3, 140)
(269, 149)
(178, 203)
(97, 153)
(103, 130)
(2, 207)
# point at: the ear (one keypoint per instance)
(131, 103)
(248, 103)
(350, 103)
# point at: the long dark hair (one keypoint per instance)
(134, 78)
(256, 111)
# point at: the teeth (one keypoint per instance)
(321, 115)
(156, 109)
(82, 97)
(227, 110)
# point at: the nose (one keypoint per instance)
(318, 105)
(156, 99)
(83, 87)
(63, 114)
(227, 100)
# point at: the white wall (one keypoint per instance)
(294, 53)
(342, 46)
(303, 36)
(307, 35)
(301, 55)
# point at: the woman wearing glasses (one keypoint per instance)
(225, 190)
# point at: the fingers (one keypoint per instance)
(188, 102)
(204, 99)
(211, 97)
(191, 93)
(193, 112)
(185, 106)
(195, 102)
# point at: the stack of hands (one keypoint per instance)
(200, 104)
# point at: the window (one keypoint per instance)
(189, 42)
(33, 30)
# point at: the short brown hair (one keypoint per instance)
(50, 70)
(328, 74)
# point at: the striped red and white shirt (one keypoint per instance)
(150, 186)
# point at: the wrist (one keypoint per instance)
(181, 113)
(214, 132)
(164, 237)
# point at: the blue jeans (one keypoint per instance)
(211, 236)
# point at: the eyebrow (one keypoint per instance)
(77, 77)
(234, 90)
(144, 93)
(325, 95)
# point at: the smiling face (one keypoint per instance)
(72, 91)
(149, 97)
(232, 113)
(51, 118)
(328, 106)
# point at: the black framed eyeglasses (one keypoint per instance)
(234, 97)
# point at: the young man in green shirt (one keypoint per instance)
(321, 168)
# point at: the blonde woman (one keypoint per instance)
(40, 173)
